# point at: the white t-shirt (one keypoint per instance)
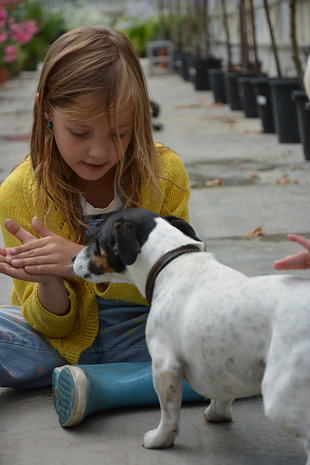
(89, 210)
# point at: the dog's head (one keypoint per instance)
(118, 241)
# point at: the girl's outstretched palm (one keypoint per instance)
(37, 259)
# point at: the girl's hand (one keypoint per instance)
(38, 258)
(297, 261)
(19, 273)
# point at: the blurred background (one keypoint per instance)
(269, 36)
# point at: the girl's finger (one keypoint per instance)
(20, 262)
(300, 240)
(50, 269)
(27, 249)
(19, 273)
(20, 233)
(39, 228)
(297, 261)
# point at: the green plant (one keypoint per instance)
(51, 24)
(140, 32)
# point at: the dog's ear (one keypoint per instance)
(127, 245)
(182, 225)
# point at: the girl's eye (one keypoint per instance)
(79, 134)
(120, 135)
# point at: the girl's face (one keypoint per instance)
(91, 147)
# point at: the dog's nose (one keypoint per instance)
(74, 257)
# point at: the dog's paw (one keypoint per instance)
(155, 440)
(215, 418)
(218, 411)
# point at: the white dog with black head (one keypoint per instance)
(228, 335)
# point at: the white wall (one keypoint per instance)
(280, 18)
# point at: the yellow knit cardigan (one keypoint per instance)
(74, 332)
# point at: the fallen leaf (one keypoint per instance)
(255, 232)
(192, 105)
(228, 120)
(216, 105)
(283, 180)
(214, 183)
(254, 175)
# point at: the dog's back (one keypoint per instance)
(218, 323)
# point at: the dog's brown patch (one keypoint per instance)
(101, 262)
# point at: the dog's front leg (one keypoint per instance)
(218, 411)
(168, 386)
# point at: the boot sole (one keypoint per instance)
(70, 394)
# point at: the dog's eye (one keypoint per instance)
(113, 246)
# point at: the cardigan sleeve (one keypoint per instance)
(15, 203)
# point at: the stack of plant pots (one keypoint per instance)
(232, 89)
(264, 103)
(182, 64)
(284, 109)
(217, 85)
(307, 147)
(199, 71)
(247, 96)
(303, 117)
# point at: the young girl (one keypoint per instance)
(91, 153)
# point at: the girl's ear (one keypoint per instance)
(47, 112)
(48, 115)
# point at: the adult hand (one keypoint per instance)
(36, 259)
(297, 261)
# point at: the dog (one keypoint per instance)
(228, 335)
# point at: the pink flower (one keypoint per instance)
(3, 13)
(23, 32)
(3, 37)
(10, 53)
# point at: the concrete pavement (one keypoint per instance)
(263, 184)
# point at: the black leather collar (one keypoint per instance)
(161, 263)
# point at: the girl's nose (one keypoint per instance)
(101, 148)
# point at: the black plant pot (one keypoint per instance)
(284, 109)
(177, 60)
(264, 105)
(191, 59)
(217, 85)
(199, 71)
(247, 97)
(307, 108)
(182, 65)
(187, 70)
(303, 117)
(232, 91)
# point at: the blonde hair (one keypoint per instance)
(91, 61)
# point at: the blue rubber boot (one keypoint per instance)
(80, 390)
